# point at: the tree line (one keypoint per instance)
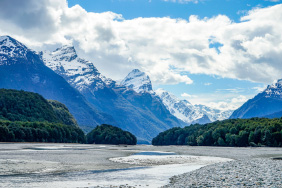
(233, 132)
(59, 133)
(39, 132)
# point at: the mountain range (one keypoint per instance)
(94, 99)
(136, 111)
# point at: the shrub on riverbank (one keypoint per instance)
(233, 132)
(107, 134)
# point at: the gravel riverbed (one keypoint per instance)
(258, 172)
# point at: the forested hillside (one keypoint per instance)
(62, 113)
(18, 105)
(25, 106)
(28, 117)
(233, 132)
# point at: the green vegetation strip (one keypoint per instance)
(233, 132)
(39, 132)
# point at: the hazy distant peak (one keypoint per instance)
(189, 113)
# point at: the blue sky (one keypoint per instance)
(205, 88)
(157, 8)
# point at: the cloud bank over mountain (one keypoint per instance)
(163, 47)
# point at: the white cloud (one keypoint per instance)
(231, 104)
(186, 95)
(252, 49)
(259, 89)
(221, 101)
(240, 99)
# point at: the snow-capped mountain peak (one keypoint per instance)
(10, 42)
(80, 73)
(138, 81)
(65, 53)
(12, 48)
(274, 90)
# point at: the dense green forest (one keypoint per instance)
(28, 117)
(233, 132)
(107, 134)
(62, 113)
(27, 106)
(39, 132)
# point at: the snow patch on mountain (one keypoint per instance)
(182, 109)
(138, 81)
(274, 90)
(214, 114)
(80, 73)
(11, 48)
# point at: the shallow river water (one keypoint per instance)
(139, 177)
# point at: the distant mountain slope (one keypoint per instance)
(22, 69)
(266, 104)
(139, 113)
(214, 114)
(182, 109)
(274, 115)
(191, 114)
